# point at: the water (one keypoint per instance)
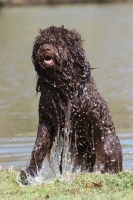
(107, 30)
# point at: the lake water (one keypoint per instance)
(108, 33)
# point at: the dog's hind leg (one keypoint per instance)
(111, 156)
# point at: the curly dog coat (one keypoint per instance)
(71, 111)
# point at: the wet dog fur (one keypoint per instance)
(70, 107)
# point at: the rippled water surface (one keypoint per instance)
(108, 33)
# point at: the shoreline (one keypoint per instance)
(72, 186)
(26, 3)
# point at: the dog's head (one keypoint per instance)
(59, 58)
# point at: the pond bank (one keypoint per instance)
(85, 186)
(11, 3)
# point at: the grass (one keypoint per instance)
(86, 186)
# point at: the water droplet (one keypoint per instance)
(113, 160)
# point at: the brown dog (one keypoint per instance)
(72, 114)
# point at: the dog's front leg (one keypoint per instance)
(41, 149)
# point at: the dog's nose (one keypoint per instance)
(47, 48)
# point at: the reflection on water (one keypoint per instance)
(107, 30)
(17, 151)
